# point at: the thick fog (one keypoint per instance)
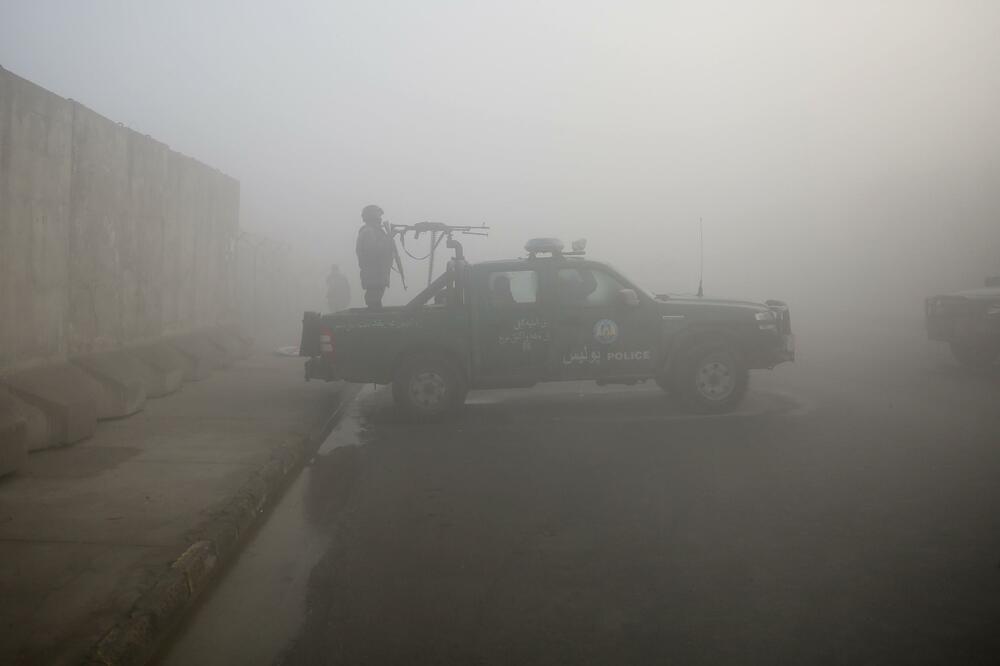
(843, 156)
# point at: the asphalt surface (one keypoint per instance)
(849, 512)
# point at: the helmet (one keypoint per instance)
(371, 213)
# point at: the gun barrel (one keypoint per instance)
(421, 227)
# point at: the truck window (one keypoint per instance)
(586, 287)
(513, 288)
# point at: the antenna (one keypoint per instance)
(701, 257)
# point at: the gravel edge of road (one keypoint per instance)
(134, 638)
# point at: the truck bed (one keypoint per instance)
(366, 343)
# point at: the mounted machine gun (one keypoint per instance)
(438, 232)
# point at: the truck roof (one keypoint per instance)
(534, 260)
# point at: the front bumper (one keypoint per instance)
(787, 351)
(767, 349)
(777, 349)
(781, 341)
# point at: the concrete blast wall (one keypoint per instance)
(107, 237)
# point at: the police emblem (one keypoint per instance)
(606, 331)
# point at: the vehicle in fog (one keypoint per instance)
(550, 316)
(969, 321)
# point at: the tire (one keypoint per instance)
(428, 387)
(973, 356)
(711, 379)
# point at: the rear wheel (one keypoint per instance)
(428, 387)
(974, 356)
(711, 378)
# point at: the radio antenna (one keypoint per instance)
(701, 257)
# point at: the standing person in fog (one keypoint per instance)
(374, 256)
(338, 290)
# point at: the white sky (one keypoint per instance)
(827, 145)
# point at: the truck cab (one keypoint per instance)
(549, 316)
(969, 321)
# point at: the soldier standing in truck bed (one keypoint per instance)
(375, 253)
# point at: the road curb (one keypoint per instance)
(134, 638)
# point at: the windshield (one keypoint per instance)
(625, 281)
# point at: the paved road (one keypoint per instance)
(849, 513)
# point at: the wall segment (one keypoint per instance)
(107, 237)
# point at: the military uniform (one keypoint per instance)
(375, 254)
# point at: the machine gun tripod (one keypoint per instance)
(438, 232)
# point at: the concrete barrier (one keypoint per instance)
(203, 355)
(197, 364)
(65, 395)
(119, 378)
(13, 434)
(38, 430)
(163, 368)
(229, 338)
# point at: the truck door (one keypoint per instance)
(514, 331)
(597, 332)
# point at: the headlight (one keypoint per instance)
(766, 321)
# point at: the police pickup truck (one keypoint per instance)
(969, 321)
(551, 316)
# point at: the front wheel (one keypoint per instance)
(428, 387)
(711, 378)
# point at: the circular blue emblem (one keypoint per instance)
(606, 331)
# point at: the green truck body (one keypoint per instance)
(503, 324)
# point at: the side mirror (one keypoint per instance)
(628, 298)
